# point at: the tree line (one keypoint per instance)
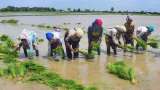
(47, 9)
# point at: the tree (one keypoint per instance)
(69, 9)
(112, 9)
(78, 10)
(87, 10)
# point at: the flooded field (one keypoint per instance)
(92, 72)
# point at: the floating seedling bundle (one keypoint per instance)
(11, 21)
(122, 71)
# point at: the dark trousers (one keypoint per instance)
(113, 46)
(90, 47)
(25, 52)
(128, 40)
(69, 52)
(34, 48)
(110, 44)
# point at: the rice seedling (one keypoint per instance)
(92, 54)
(30, 71)
(40, 40)
(153, 42)
(44, 26)
(1, 72)
(128, 48)
(141, 43)
(122, 71)
(11, 21)
(32, 67)
(59, 51)
(87, 55)
(4, 37)
(53, 80)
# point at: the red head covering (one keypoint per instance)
(99, 22)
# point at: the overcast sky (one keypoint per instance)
(131, 5)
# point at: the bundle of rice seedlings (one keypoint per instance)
(87, 55)
(53, 80)
(122, 71)
(12, 21)
(40, 40)
(153, 42)
(59, 51)
(127, 48)
(141, 43)
(15, 70)
(1, 72)
(4, 37)
(7, 47)
(95, 45)
(32, 67)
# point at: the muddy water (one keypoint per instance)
(93, 72)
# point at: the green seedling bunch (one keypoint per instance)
(11, 21)
(121, 70)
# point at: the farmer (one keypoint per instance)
(34, 43)
(143, 33)
(27, 42)
(128, 36)
(111, 42)
(120, 33)
(55, 44)
(95, 35)
(72, 39)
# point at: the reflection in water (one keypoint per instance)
(83, 73)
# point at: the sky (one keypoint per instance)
(130, 5)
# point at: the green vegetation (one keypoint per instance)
(39, 9)
(141, 43)
(153, 42)
(59, 51)
(30, 71)
(87, 55)
(122, 71)
(72, 11)
(92, 54)
(42, 26)
(11, 21)
(40, 40)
